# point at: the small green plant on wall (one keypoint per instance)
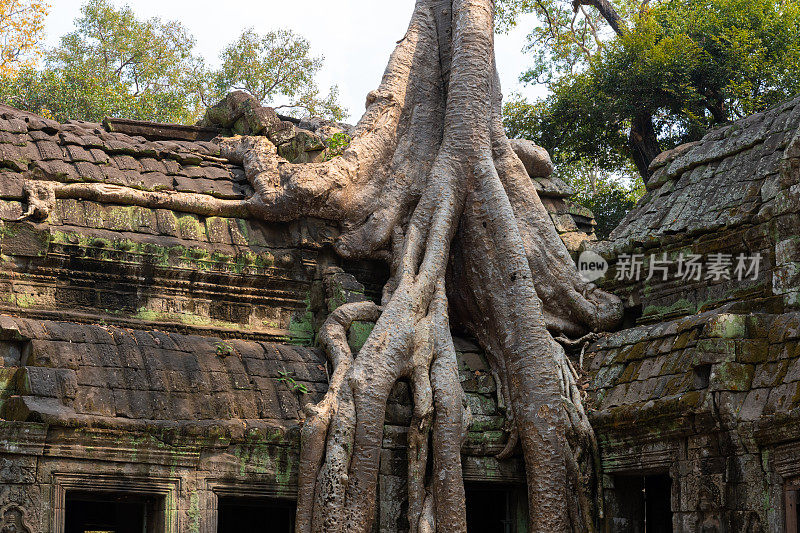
(224, 349)
(294, 386)
(337, 144)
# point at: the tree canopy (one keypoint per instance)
(116, 64)
(276, 68)
(21, 27)
(680, 66)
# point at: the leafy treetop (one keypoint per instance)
(115, 64)
(21, 27)
(684, 65)
(278, 69)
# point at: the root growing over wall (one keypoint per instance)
(431, 184)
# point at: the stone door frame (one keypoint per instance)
(791, 502)
(786, 462)
(240, 489)
(167, 488)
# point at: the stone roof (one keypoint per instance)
(78, 374)
(735, 192)
(730, 177)
(67, 374)
(711, 370)
(79, 151)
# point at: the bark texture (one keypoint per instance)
(432, 185)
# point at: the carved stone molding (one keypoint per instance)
(786, 460)
(13, 520)
(216, 488)
(168, 488)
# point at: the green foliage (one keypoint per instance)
(294, 386)
(337, 144)
(278, 69)
(21, 29)
(224, 349)
(690, 64)
(563, 40)
(609, 196)
(115, 64)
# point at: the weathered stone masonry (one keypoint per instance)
(705, 387)
(166, 354)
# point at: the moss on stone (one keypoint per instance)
(25, 300)
(358, 334)
(727, 326)
(301, 328)
(193, 514)
(681, 306)
(732, 376)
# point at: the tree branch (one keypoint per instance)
(606, 10)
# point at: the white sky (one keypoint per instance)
(355, 36)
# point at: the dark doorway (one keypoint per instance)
(112, 512)
(644, 503)
(496, 509)
(255, 515)
(792, 503)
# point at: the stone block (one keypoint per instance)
(129, 355)
(726, 326)
(267, 398)
(134, 404)
(245, 404)
(792, 372)
(47, 382)
(25, 239)
(97, 401)
(752, 350)
(731, 376)
(11, 185)
(780, 398)
(652, 367)
(261, 120)
(282, 133)
(786, 277)
(770, 374)
(158, 380)
(132, 378)
(104, 355)
(183, 406)
(94, 376)
(54, 354)
(289, 404)
(19, 469)
(35, 409)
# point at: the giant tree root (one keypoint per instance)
(431, 184)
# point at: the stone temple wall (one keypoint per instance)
(151, 353)
(696, 402)
(166, 356)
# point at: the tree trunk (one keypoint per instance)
(431, 184)
(606, 10)
(643, 143)
(642, 139)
